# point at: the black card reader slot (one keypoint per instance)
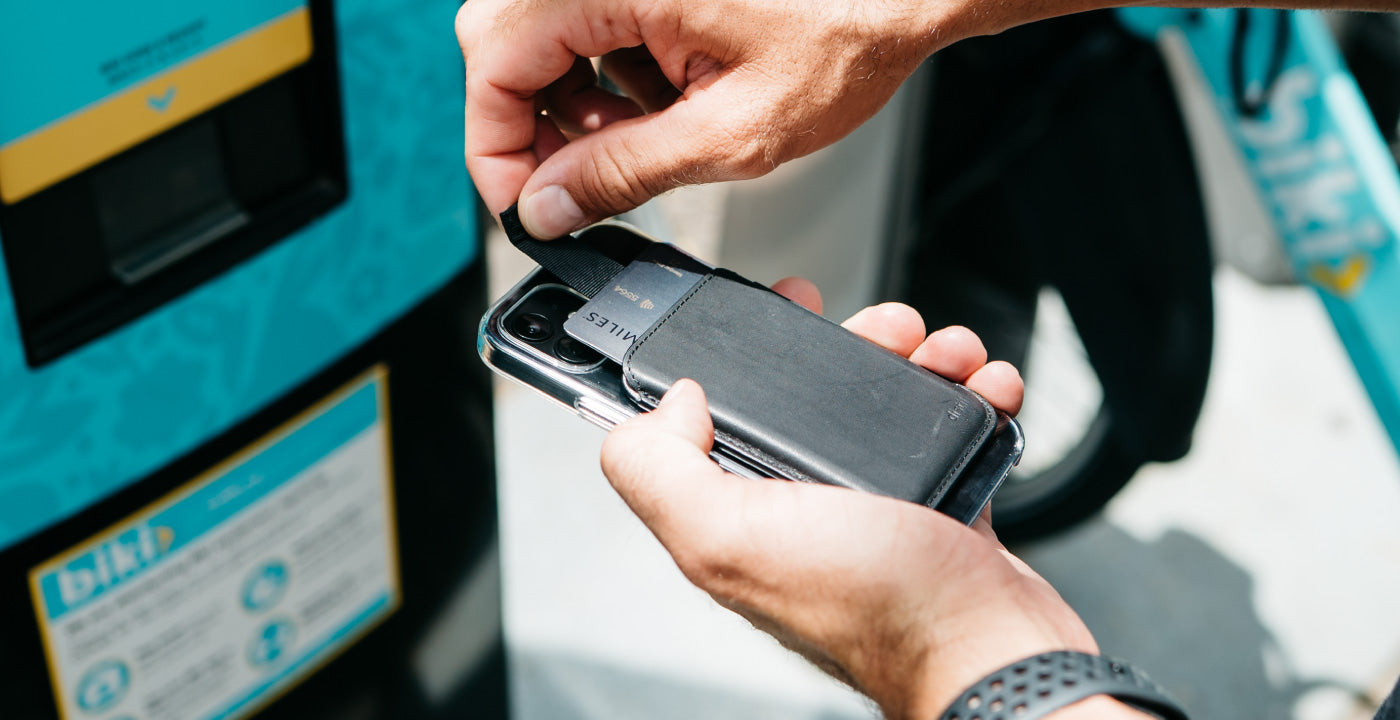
(165, 203)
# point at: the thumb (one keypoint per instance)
(659, 463)
(698, 139)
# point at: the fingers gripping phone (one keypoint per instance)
(793, 396)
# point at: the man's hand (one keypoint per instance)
(903, 603)
(714, 90)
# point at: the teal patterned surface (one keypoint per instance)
(120, 408)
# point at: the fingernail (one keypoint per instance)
(681, 389)
(550, 213)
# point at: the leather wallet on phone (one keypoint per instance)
(790, 392)
(809, 397)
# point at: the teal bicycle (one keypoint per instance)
(1047, 147)
(1311, 143)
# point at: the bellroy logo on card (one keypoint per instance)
(636, 298)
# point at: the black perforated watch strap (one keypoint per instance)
(1039, 685)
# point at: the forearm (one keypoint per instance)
(966, 18)
(1004, 635)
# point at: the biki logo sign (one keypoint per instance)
(106, 566)
(1318, 196)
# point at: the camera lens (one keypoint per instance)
(532, 326)
(574, 351)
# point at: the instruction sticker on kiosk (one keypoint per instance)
(223, 594)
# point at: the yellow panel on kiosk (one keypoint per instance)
(87, 136)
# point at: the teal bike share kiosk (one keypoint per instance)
(245, 442)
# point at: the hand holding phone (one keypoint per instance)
(793, 396)
(904, 605)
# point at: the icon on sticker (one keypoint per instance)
(103, 686)
(271, 642)
(161, 102)
(265, 586)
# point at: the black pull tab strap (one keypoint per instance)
(580, 265)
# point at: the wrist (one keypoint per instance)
(1099, 706)
(1022, 616)
(956, 663)
(1067, 685)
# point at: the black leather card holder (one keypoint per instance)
(807, 397)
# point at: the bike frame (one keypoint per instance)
(1326, 177)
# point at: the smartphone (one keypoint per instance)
(522, 337)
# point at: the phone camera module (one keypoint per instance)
(533, 327)
(571, 350)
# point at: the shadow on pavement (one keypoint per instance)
(562, 687)
(1173, 606)
(1182, 612)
